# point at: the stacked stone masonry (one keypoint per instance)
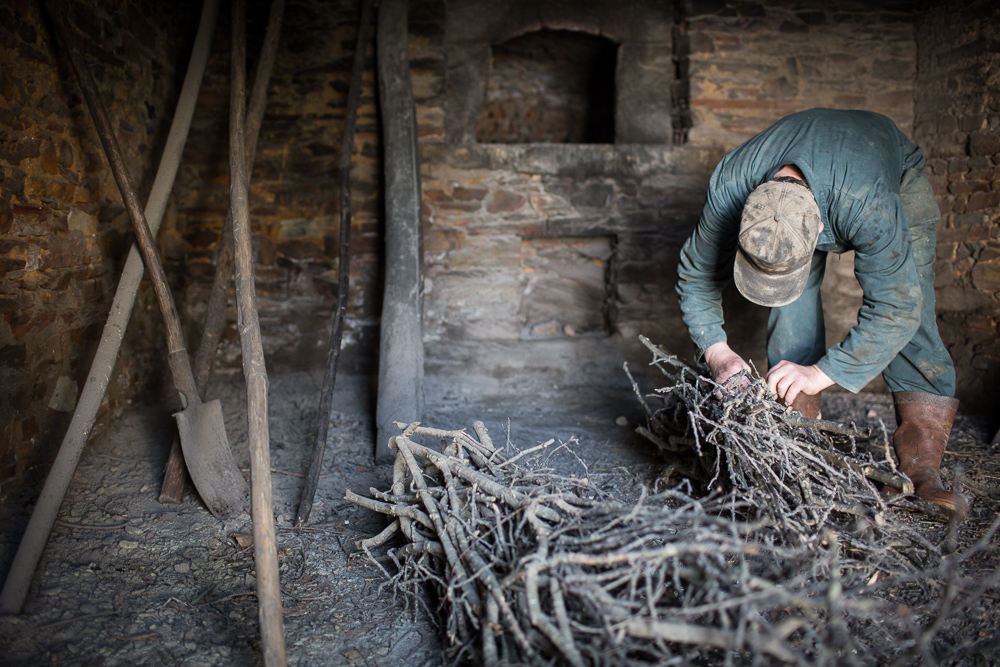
(957, 120)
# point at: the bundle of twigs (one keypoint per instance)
(531, 567)
(806, 476)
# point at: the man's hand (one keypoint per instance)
(787, 380)
(724, 363)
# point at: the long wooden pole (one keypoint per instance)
(265, 544)
(343, 268)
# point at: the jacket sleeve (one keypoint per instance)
(885, 269)
(706, 263)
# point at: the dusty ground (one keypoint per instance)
(126, 580)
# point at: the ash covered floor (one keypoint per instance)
(127, 580)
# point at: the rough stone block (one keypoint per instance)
(983, 201)
(986, 276)
(594, 195)
(962, 299)
(945, 251)
(64, 396)
(966, 187)
(13, 356)
(645, 72)
(972, 122)
(894, 69)
(793, 27)
(987, 176)
(462, 193)
(939, 184)
(40, 189)
(982, 323)
(984, 143)
(957, 166)
(945, 274)
(463, 206)
(812, 18)
(701, 43)
(970, 219)
(442, 241)
(947, 124)
(504, 201)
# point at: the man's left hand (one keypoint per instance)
(787, 380)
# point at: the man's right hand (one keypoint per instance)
(724, 363)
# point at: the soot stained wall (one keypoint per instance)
(294, 190)
(550, 86)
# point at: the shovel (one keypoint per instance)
(202, 429)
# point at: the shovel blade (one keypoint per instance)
(210, 460)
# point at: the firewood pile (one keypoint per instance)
(779, 550)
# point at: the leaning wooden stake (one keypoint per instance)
(172, 490)
(265, 546)
(343, 270)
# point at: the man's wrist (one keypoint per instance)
(823, 380)
(716, 350)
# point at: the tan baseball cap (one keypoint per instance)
(778, 233)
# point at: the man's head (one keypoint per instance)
(778, 233)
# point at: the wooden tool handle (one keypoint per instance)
(144, 237)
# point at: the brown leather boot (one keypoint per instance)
(808, 405)
(925, 421)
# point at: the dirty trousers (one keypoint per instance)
(796, 332)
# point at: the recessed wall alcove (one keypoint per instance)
(550, 86)
(481, 34)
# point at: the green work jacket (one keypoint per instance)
(853, 162)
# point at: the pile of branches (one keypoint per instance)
(527, 566)
(805, 476)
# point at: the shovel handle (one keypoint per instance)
(180, 368)
(144, 237)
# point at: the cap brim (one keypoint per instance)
(769, 289)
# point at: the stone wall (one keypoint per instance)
(540, 257)
(754, 62)
(489, 208)
(957, 120)
(637, 199)
(294, 191)
(64, 232)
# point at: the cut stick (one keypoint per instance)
(265, 545)
(343, 269)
